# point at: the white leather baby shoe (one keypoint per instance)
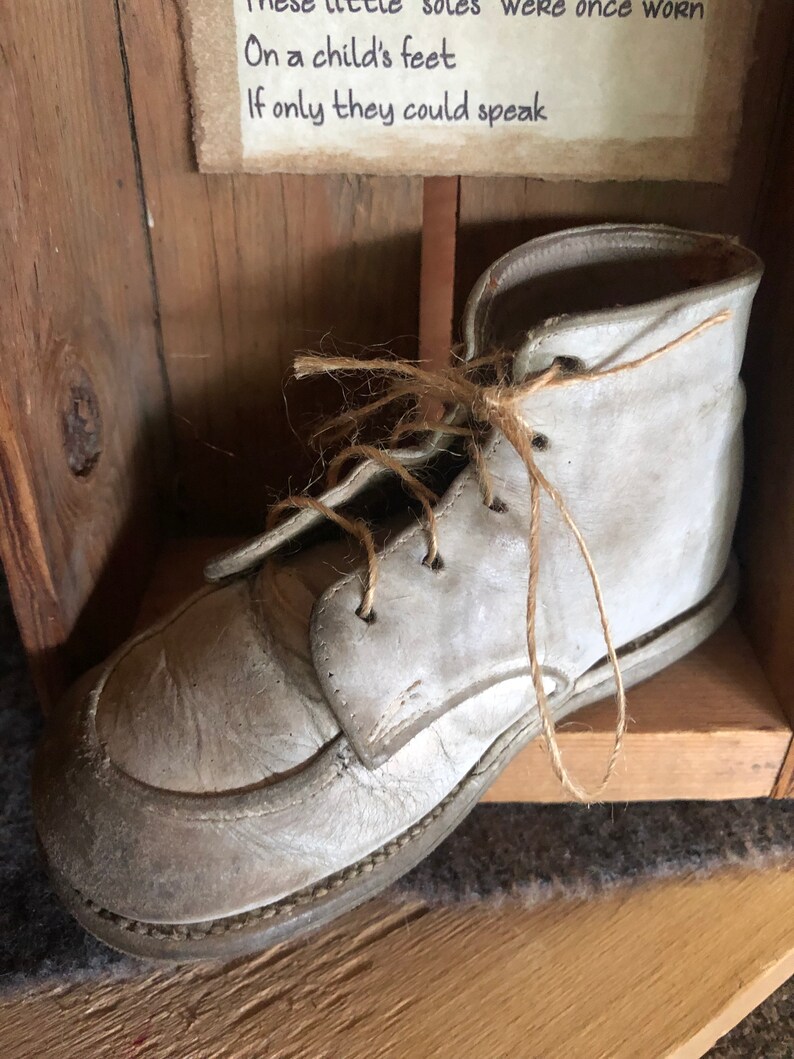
(306, 728)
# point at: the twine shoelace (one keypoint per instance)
(460, 388)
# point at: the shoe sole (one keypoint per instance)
(311, 908)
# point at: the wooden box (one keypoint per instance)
(150, 314)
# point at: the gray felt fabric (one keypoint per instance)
(766, 1033)
(502, 852)
(534, 852)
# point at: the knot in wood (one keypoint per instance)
(81, 424)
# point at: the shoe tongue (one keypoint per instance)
(365, 475)
(288, 589)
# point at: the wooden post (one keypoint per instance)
(437, 283)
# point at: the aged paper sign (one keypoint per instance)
(557, 88)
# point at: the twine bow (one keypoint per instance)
(495, 405)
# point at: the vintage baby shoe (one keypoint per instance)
(300, 733)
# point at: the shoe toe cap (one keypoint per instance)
(209, 701)
(156, 766)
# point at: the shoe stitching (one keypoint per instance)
(221, 926)
(228, 924)
(638, 241)
(466, 477)
(324, 782)
(221, 816)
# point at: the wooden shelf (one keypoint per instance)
(709, 726)
(706, 727)
(662, 969)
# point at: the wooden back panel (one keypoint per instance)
(248, 270)
(150, 315)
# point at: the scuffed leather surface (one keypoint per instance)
(649, 463)
(182, 858)
(202, 772)
(216, 698)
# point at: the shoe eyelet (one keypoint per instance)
(435, 565)
(498, 506)
(369, 618)
(570, 365)
(540, 442)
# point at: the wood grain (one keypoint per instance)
(661, 969)
(437, 289)
(705, 727)
(708, 726)
(249, 270)
(83, 450)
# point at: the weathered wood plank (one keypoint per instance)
(661, 969)
(82, 408)
(250, 269)
(706, 727)
(437, 291)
